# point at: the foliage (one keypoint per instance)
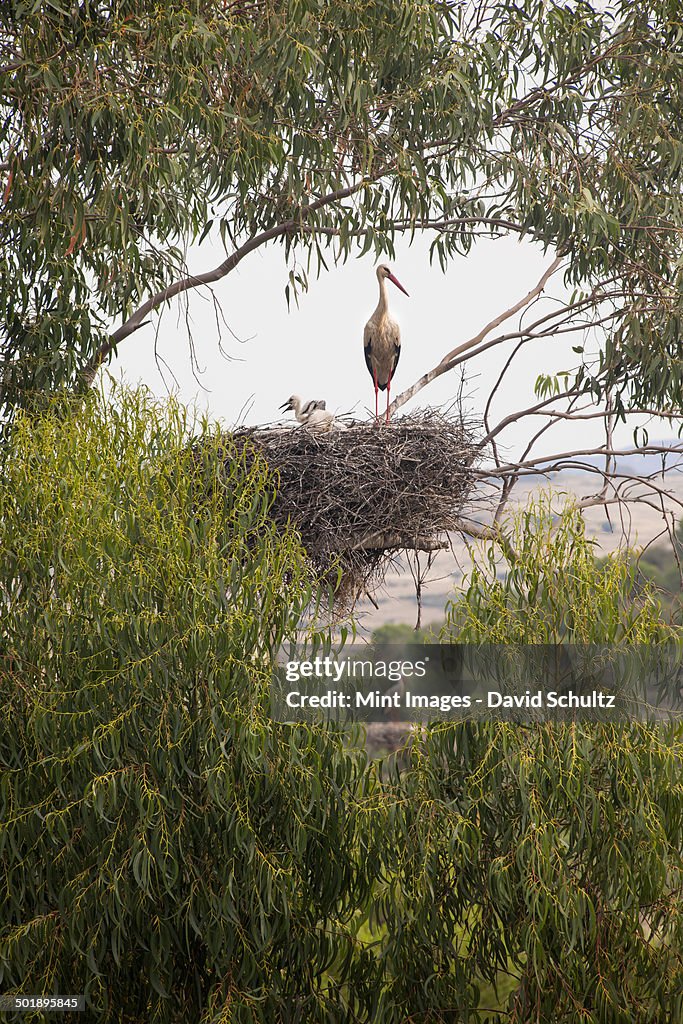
(552, 589)
(662, 566)
(131, 128)
(170, 851)
(164, 847)
(544, 859)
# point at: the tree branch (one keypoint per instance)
(478, 531)
(532, 410)
(137, 320)
(451, 358)
(549, 464)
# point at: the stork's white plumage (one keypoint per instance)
(311, 414)
(302, 410)
(382, 340)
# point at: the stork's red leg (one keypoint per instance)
(374, 377)
(388, 394)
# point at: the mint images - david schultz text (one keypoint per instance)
(447, 702)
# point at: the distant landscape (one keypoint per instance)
(611, 527)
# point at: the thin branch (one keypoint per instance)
(532, 410)
(448, 224)
(619, 482)
(610, 462)
(597, 414)
(478, 531)
(451, 358)
(137, 320)
(547, 461)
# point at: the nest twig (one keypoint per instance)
(358, 495)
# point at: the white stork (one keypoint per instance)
(311, 414)
(382, 340)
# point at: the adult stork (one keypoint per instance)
(382, 340)
(311, 414)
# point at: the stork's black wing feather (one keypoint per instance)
(315, 403)
(368, 356)
(397, 356)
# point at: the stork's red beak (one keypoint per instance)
(398, 284)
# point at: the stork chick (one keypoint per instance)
(311, 414)
(382, 340)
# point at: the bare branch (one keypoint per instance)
(626, 489)
(610, 463)
(550, 464)
(532, 410)
(455, 355)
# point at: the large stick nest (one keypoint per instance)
(359, 495)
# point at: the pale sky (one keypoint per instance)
(316, 350)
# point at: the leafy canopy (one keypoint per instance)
(170, 851)
(131, 129)
(166, 849)
(541, 861)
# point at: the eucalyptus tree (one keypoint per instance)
(217, 867)
(131, 129)
(168, 852)
(536, 866)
